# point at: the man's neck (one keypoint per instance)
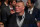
(31, 7)
(21, 13)
(5, 3)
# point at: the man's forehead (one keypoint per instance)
(20, 3)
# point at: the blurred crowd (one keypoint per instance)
(15, 13)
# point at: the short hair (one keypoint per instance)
(12, 0)
(20, 2)
(33, 1)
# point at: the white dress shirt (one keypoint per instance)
(31, 10)
(19, 23)
(10, 8)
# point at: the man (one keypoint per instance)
(34, 12)
(13, 2)
(7, 12)
(21, 18)
(14, 21)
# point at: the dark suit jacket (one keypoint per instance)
(0, 13)
(39, 15)
(28, 20)
(3, 5)
(35, 12)
(5, 14)
(26, 8)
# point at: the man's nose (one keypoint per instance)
(16, 7)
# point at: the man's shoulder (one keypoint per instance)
(27, 15)
(36, 8)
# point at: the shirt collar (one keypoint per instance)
(30, 9)
(23, 16)
(10, 7)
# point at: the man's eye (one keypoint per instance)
(18, 6)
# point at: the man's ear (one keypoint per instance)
(23, 7)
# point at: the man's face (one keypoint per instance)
(28, 4)
(19, 7)
(14, 3)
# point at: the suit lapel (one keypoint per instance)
(8, 10)
(34, 12)
(25, 20)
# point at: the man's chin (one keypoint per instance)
(28, 7)
(17, 12)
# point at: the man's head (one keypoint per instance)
(13, 2)
(30, 3)
(20, 6)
